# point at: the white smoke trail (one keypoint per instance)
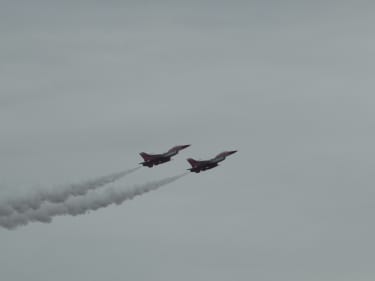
(80, 205)
(58, 195)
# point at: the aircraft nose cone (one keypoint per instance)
(233, 151)
(185, 146)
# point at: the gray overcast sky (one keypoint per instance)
(86, 85)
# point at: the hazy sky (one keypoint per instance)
(87, 85)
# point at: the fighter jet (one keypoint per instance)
(156, 159)
(198, 166)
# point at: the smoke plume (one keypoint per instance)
(58, 195)
(80, 205)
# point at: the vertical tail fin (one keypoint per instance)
(145, 156)
(193, 163)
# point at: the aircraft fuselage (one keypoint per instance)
(198, 166)
(151, 160)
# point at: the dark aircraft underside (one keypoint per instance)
(155, 162)
(203, 168)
